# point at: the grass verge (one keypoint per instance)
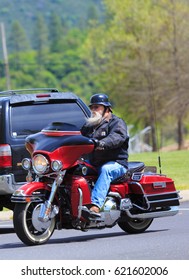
(173, 164)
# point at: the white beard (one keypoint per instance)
(94, 120)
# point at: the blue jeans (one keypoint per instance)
(107, 173)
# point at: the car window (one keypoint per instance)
(30, 119)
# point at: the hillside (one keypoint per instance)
(72, 13)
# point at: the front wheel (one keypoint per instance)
(135, 225)
(28, 228)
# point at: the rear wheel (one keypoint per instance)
(135, 225)
(28, 228)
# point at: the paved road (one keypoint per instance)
(166, 239)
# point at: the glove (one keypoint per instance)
(99, 145)
(96, 142)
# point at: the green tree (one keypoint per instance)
(92, 15)
(176, 69)
(40, 39)
(18, 40)
(18, 43)
(30, 75)
(129, 55)
(69, 67)
(124, 52)
(56, 32)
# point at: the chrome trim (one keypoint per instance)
(159, 195)
(60, 165)
(137, 176)
(34, 165)
(163, 193)
(80, 203)
(24, 199)
(114, 194)
(171, 212)
(144, 194)
(29, 162)
(46, 208)
(125, 204)
(163, 200)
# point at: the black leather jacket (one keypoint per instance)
(114, 137)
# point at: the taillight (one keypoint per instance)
(5, 156)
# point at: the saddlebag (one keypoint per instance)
(157, 189)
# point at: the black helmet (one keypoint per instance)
(101, 99)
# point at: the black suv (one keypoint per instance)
(24, 112)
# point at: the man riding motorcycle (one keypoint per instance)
(111, 153)
(58, 192)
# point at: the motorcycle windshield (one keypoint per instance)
(57, 135)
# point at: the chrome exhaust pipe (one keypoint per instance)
(150, 215)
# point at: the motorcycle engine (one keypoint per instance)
(109, 204)
(109, 211)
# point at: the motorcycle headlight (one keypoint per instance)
(56, 165)
(40, 164)
(26, 163)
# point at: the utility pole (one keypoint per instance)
(5, 55)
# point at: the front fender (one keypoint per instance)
(30, 192)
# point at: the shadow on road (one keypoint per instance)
(73, 239)
(85, 238)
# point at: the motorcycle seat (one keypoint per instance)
(133, 166)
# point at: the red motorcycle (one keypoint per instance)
(58, 190)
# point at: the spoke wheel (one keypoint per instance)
(28, 228)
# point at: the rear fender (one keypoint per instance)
(30, 192)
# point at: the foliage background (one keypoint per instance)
(136, 51)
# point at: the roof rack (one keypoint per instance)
(13, 92)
